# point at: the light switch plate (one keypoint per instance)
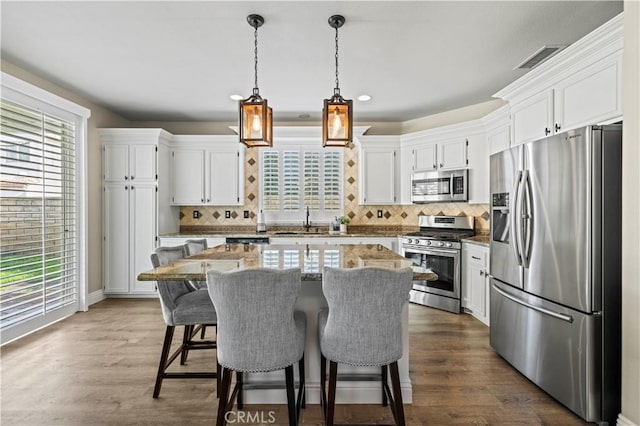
(246, 214)
(196, 214)
(379, 213)
(227, 214)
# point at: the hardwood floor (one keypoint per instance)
(98, 368)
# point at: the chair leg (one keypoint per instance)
(384, 380)
(218, 377)
(166, 347)
(239, 384)
(224, 397)
(185, 340)
(331, 403)
(203, 330)
(302, 389)
(291, 396)
(397, 393)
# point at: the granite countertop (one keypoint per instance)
(480, 239)
(309, 258)
(287, 232)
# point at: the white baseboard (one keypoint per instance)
(623, 421)
(96, 296)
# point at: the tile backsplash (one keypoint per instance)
(405, 215)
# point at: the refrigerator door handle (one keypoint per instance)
(545, 311)
(515, 222)
(527, 218)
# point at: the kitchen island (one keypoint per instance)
(310, 259)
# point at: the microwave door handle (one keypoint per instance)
(514, 225)
(451, 185)
(527, 218)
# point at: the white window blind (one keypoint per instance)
(295, 178)
(38, 267)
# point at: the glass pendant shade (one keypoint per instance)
(337, 126)
(256, 123)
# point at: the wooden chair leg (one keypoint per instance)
(218, 377)
(239, 384)
(323, 382)
(302, 389)
(203, 330)
(224, 396)
(166, 347)
(397, 393)
(331, 402)
(185, 340)
(291, 396)
(384, 380)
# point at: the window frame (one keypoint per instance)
(21, 92)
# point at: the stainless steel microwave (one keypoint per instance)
(440, 186)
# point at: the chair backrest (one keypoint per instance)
(256, 327)
(169, 291)
(195, 246)
(364, 324)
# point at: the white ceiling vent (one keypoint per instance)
(540, 55)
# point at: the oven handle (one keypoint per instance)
(439, 252)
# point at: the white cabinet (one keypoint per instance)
(499, 139)
(135, 206)
(442, 155)
(378, 158)
(475, 280)
(533, 118)
(205, 175)
(478, 169)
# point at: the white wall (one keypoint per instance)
(631, 218)
(100, 117)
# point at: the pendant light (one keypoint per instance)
(337, 112)
(256, 116)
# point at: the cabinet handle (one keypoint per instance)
(475, 257)
(481, 272)
(126, 187)
(133, 177)
(547, 131)
(202, 200)
(557, 127)
(126, 178)
(435, 166)
(132, 188)
(208, 200)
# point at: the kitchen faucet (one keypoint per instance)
(306, 224)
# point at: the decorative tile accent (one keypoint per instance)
(387, 215)
(485, 215)
(440, 213)
(251, 179)
(181, 215)
(404, 215)
(251, 197)
(251, 161)
(421, 213)
(351, 180)
(216, 214)
(252, 215)
(234, 215)
(369, 214)
(351, 215)
(351, 163)
(351, 197)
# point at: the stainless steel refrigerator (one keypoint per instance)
(556, 266)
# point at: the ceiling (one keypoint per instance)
(180, 61)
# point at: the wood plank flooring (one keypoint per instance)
(98, 368)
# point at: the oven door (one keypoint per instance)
(446, 265)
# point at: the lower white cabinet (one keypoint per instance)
(475, 280)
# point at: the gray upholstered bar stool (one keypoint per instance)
(258, 331)
(363, 327)
(195, 246)
(181, 305)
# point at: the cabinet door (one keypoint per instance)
(115, 163)
(187, 176)
(116, 237)
(591, 96)
(475, 261)
(533, 118)
(378, 176)
(224, 180)
(425, 157)
(142, 213)
(142, 163)
(498, 139)
(452, 154)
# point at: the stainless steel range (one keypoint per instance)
(437, 247)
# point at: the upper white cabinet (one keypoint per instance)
(581, 85)
(441, 155)
(207, 170)
(425, 157)
(135, 205)
(379, 182)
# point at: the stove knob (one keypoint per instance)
(448, 244)
(428, 242)
(409, 241)
(440, 243)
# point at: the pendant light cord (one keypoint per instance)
(255, 57)
(337, 80)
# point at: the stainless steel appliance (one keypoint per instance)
(437, 247)
(556, 266)
(440, 186)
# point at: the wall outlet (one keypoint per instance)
(227, 214)
(246, 214)
(196, 214)
(379, 213)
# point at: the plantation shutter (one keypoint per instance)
(312, 180)
(332, 181)
(291, 180)
(38, 267)
(270, 181)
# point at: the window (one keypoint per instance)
(295, 177)
(40, 271)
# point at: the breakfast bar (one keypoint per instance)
(311, 259)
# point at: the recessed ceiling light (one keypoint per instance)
(236, 97)
(304, 116)
(364, 98)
